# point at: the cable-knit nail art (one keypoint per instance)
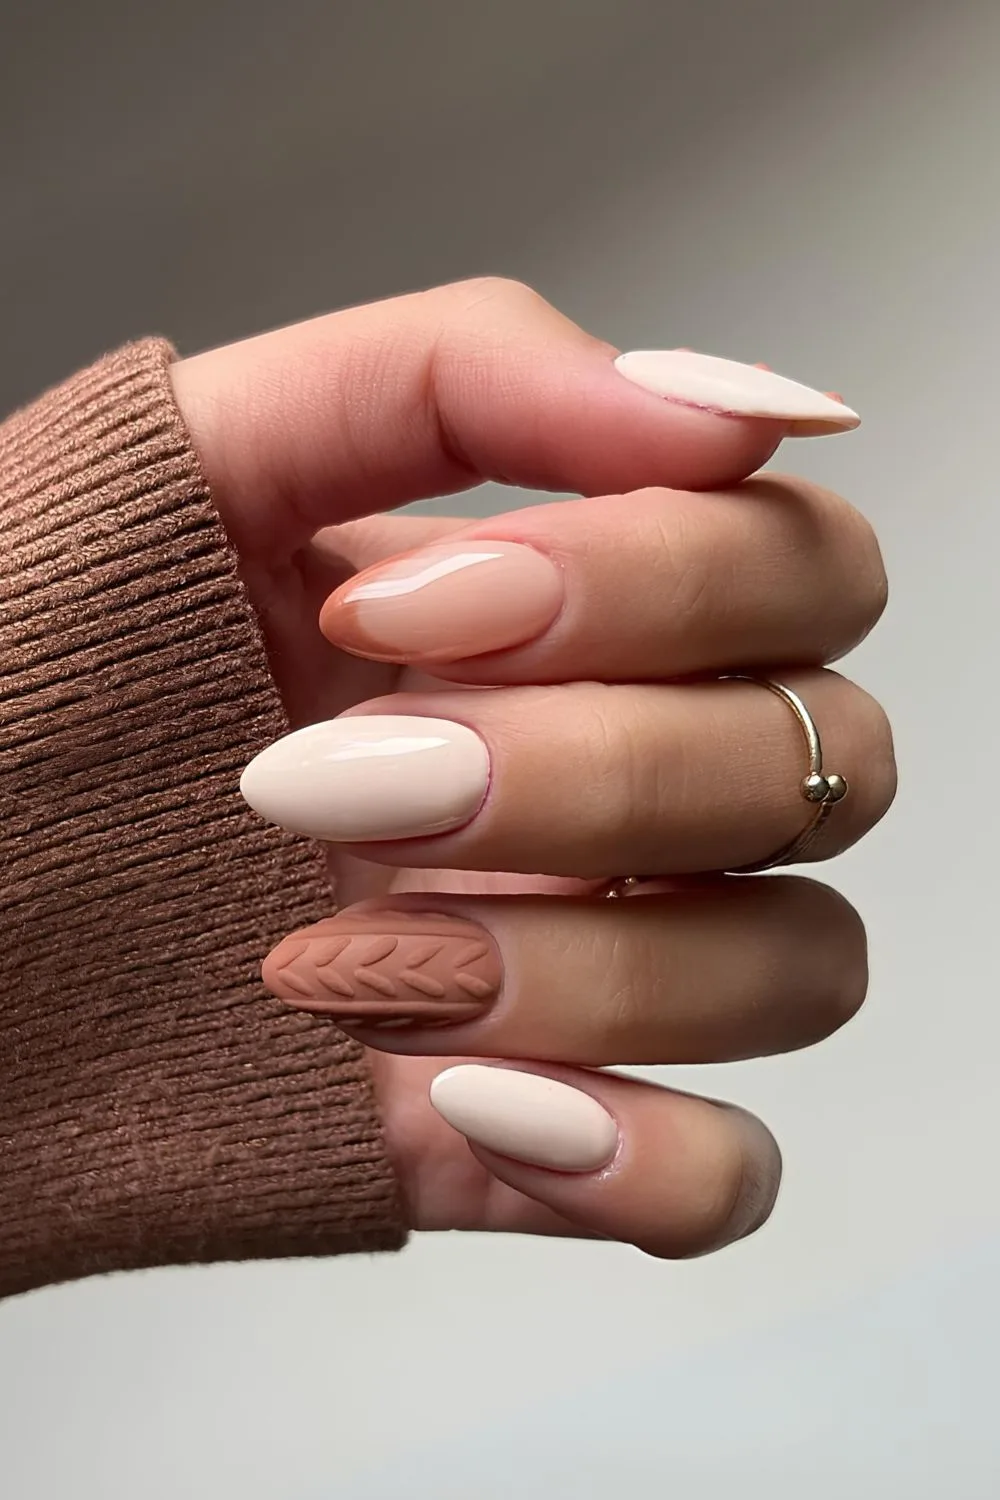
(387, 970)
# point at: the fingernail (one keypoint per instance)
(388, 970)
(446, 602)
(724, 386)
(526, 1117)
(364, 778)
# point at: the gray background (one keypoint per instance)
(812, 185)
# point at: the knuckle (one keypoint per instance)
(739, 1191)
(718, 1217)
(869, 582)
(837, 974)
(841, 548)
(694, 577)
(865, 742)
(626, 772)
(626, 1016)
(759, 1180)
(881, 775)
(510, 293)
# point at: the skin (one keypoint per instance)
(674, 568)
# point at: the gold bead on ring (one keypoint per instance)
(822, 790)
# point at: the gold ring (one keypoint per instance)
(822, 790)
(623, 885)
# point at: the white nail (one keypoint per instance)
(526, 1117)
(372, 777)
(725, 386)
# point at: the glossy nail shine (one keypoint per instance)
(370, 777)
(399, 581)
(446, 602)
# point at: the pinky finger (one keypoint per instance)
(675, 1175)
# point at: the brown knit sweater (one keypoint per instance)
(155, 1106)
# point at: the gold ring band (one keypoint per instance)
(822, 790)
(622, 885)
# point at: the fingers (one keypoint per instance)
(580, 780)
(674, 1175)
(729, 970)
(777, 570)
(429, 394)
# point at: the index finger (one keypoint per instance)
(428, 394)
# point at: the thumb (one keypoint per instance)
(424, 395)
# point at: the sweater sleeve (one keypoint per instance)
(156, 1107)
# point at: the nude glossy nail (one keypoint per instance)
(388, 970)
(370, 777)
(725, 386)
(446, 602)
(526, 1117)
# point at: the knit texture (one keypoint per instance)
(156, 1106)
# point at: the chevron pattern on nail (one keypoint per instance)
(388, 970)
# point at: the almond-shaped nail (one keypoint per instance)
(733, 389)
(388, 970)
(446, 602)
(526, 1117)
(370, 777)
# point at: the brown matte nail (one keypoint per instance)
(387, 970)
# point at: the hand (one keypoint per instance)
(607, 746)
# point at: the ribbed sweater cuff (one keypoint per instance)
(155, 1106)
